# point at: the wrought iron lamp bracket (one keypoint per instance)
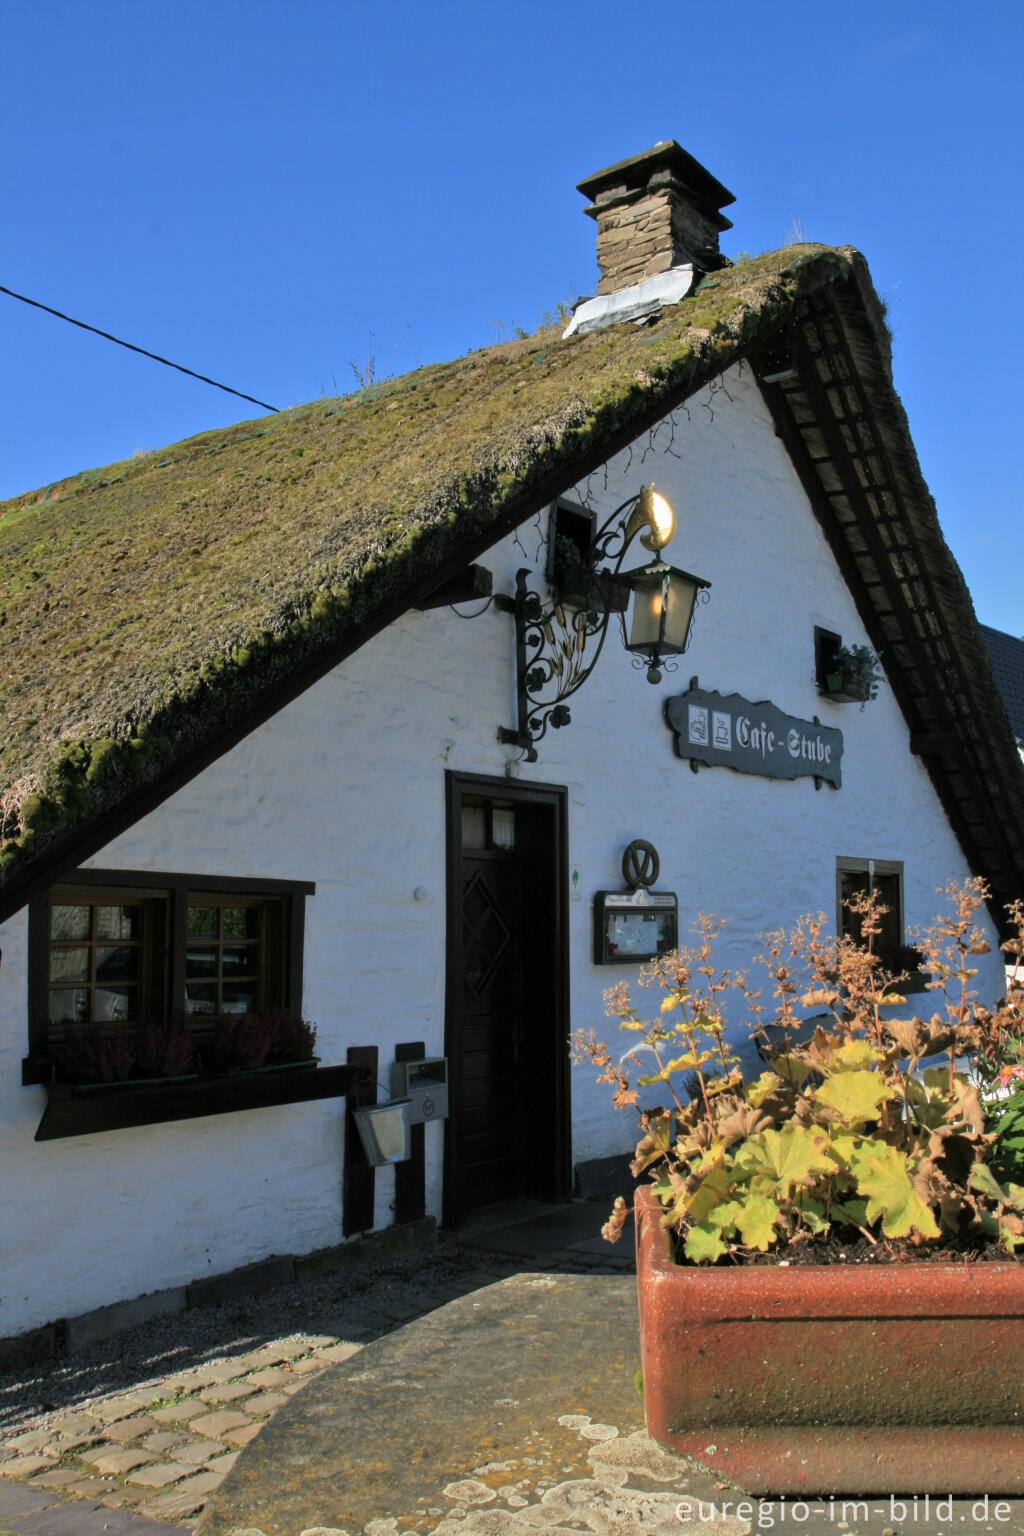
(552, 639)
(552, 661)
(558, 644)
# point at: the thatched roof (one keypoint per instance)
(155, 611)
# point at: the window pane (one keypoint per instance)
(69, 922)
(113, 1004)
(503, 829)
(69, 965)
(118, 922)
(474, 826)
(201, 1000)
(241, 923)
(201, 922)
(239, 999)
(70, 1006)
(240, 960)
(200, 961)
(118, 964)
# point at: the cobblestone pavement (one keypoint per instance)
(161, 1444)
(162, 1448)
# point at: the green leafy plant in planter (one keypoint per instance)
(1008, 1125)
(841, 1137)
(853, 673)
(1001, 1066)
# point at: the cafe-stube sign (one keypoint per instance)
(725, 730)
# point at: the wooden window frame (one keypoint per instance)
(164, 960)
(270, 973)
(151, 943)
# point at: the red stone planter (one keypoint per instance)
(872, 1379)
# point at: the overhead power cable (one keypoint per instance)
(142, 350)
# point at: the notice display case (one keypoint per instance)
(633, 926)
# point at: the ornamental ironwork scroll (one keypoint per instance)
(725, 730)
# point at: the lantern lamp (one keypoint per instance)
(661, 612)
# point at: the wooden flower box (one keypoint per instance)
(74, 1109)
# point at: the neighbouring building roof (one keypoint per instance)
(1006, 653)
(155, 611)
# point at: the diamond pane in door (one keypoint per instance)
(485, 935)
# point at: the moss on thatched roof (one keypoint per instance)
(154, 611)
(147, 606)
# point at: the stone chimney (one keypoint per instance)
(655, 211)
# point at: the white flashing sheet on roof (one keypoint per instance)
(638, 302)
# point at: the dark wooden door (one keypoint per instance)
(506, 1031)
(491, 1035)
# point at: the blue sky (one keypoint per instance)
(257, 190)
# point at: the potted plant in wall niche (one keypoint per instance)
(829, 1256)
(853, 675)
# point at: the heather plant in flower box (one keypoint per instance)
(294, 1039)
(91, 1054)
(240, 1042)
(164, 1048)
(845, 1134)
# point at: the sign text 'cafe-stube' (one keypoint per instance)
(725, 730)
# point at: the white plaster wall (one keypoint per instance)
(346, 787)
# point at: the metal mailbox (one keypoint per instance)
(425, 1085)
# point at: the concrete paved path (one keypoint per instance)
(513, 1412)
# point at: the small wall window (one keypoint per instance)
(826, 644)
(120, 949)
(571, 531)
(859, 877)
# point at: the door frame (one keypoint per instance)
(555, 798)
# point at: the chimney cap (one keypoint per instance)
(667, 157)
